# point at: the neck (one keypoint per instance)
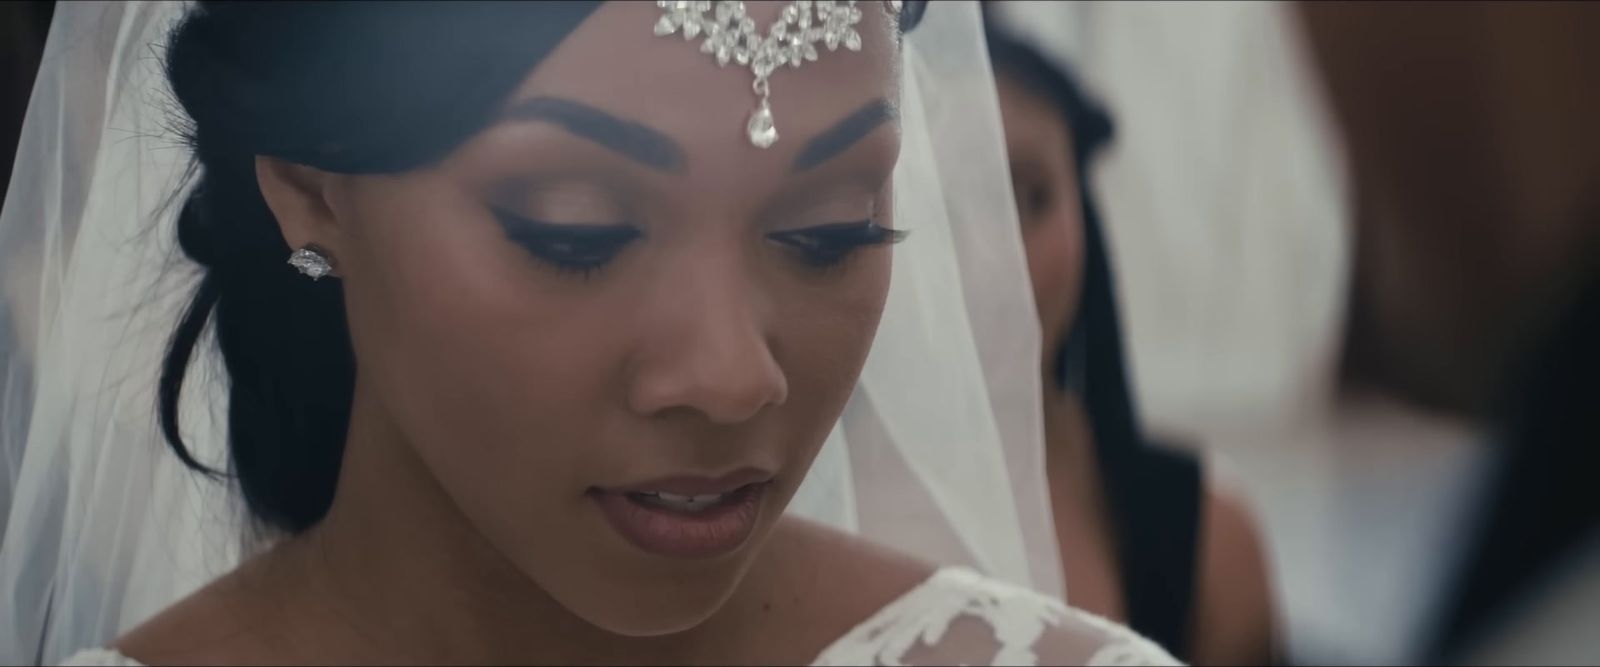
(1069, 443)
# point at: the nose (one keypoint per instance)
(705, 347)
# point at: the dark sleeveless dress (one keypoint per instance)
(1155, 518)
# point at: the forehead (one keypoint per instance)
(1036, 130)
(614, 61)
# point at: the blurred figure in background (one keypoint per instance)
(1475, 154)
(1227, 213)
(1145, 539)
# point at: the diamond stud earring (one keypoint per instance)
(312, 261)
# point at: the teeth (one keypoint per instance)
(674, 498)
(674, 501)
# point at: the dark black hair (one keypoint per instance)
(346, 87)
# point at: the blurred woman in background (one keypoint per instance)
(1143, 538)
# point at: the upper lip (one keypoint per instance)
(695, 485)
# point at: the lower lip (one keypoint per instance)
(706, 534)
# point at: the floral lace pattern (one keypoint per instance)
(960, 617)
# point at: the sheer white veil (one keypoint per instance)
(939, 452)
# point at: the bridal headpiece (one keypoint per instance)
(730, 35)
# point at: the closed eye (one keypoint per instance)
(825, 246)
(581, 249)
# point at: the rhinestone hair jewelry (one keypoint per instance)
(311, 261)
(731, 35)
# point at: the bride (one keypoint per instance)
(516, 329)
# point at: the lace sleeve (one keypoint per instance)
(961, 617)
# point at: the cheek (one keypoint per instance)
(479, 363)
(1055, 264)
(822, 335)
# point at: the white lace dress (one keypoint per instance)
(957, 616)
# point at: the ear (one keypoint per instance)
(298, 198)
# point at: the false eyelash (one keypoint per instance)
(826, 246)
(580, 250)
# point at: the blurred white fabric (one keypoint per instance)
(1224, 197)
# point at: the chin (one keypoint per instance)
(663, 605)
(626, 592)
(646, 620)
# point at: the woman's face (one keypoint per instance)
(613, 331)
(1045, 183)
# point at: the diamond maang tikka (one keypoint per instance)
(731, 35)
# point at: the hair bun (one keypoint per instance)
(911, 13)
(333, 86)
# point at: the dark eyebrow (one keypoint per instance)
(844, 134)
(636, 141)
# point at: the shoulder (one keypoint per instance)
(233, 620)
(201, 628)
(1234, 619)
(1231, 540)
